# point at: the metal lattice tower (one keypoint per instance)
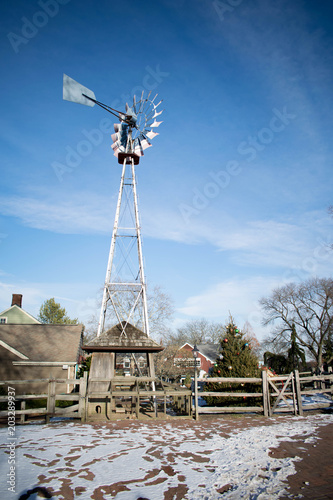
(125, 286)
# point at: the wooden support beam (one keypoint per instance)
(51, 399)
(298, 392)
(265, 394)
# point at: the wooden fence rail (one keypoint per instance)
(137, 389)
(51, 397)
(286, 389)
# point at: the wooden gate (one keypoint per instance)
(286, 389)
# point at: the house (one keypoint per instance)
(205, 360)
(39, 351)
(16, 315)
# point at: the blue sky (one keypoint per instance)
(234, 192)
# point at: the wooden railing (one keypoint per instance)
(274, 390)
(286, 389)
(136, 389)
(51, 397)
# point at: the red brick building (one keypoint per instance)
(206, 357)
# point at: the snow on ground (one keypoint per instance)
(155, 460)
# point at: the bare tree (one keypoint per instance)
(160, 312)
(167, 362)
(308, 306)
(195, 331)
(251, 337)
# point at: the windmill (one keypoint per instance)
(125, 286)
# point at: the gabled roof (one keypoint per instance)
(114, 340)
(17, 315)
(209, 351)
(40, 342)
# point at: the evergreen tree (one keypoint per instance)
(293, 360)
(51, 312)
(296, 355)
(276, 363)
(236, 360)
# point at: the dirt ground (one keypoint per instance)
(314, 477)
(314, 468)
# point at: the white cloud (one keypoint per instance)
(80, 214)
(238, 296)
(300, 241)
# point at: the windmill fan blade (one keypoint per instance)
(157, 113)
(152, 134)
(145, 144)
(72, 91)
(155, 124)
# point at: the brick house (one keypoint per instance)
(206, 357)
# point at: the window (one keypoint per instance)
(3, 321)
(127, 363)
(141, 362)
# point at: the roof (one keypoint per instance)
(42, 342)
(114, 340)
(210, 351)
(17, 315)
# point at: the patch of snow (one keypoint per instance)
(314, 399)
(145, 460)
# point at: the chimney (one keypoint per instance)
(17, 299)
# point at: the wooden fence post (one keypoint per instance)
(22, 414)
(265, 393)
(51, 399)
(298, 392)
(83, 396)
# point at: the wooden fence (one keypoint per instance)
(137, 395)
(138, 391)
(278, 394)
(51, 397)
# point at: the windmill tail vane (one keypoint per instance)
(137, 124)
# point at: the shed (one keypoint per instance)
(123, 338)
